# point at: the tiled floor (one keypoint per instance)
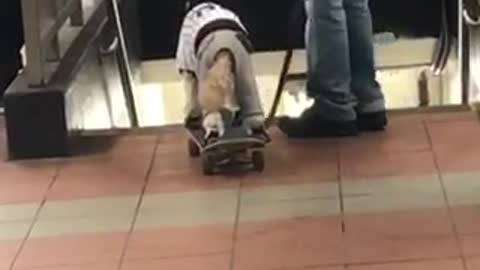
(408, 198)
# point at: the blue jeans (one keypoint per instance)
(340, 59)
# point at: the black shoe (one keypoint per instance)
(376, 121)
(312, 125)
(262, 134)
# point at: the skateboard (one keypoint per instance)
(235, 146)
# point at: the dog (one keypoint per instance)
(217, 92)
(214, 56)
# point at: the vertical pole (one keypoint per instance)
(77, 18)
(53, 50)
(33, 44)
(124, 62)
(461, 46)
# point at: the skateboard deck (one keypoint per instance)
(234, 139)
(236, 146)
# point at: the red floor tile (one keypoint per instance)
(72, 250)
(100, 266)
(179, 241)
(467, 220)
(208, 262)
(24, 183)
(470, 244)
(451, 117)
(100, 177)
(453, 147)
(8, 251)
(375, 165)
(402, 135)
(408, 235)
(422, 265)
(297, 162)
(326, 268)
(134, 146)
(289, 244)
(473, 263)
(173, 141)
(178, 162)
(405, 119)
(318, 148)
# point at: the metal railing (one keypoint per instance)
(471, 17)
(44, 21)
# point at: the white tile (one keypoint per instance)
(15, 212)
(276, 210)
(463, 189)
(72, 226)
(15, 230)
(394, 194)
(113, 206)
(290, 192)
(188, 209)
(289, 201)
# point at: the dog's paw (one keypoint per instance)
(213, 124)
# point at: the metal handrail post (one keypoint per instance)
(33, 42)
(52, 52)
(77, 18)
(124, 62)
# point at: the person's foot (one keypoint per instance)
(312, 125)
(375, 121)
(256, 126)
(254, 122)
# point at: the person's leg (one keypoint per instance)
(205, 59)
(329, 79)
(193, 113)
(246, 88)
(333, 113)
(246, 91)
(371, 103)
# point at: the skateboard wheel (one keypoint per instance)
(208, 164)
(193, 149)
(258, 160)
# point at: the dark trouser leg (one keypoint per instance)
(329, 76)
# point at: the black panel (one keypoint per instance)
(11, 29)
(267, 21)
(130, 13)
(35, 121)
(160, 21)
